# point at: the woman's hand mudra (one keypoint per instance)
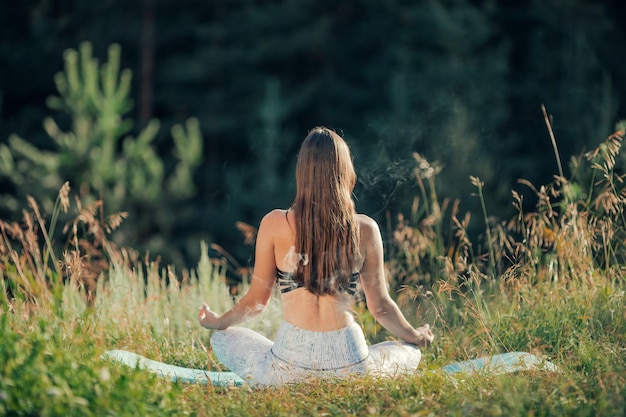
(425, 335)
(207, 318)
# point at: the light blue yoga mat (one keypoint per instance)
(175, 373)
(498, 364)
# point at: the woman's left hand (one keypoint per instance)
(207, 318)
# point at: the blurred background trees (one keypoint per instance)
(460, 82)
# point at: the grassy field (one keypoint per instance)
(553, 285)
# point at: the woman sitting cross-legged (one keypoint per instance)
(317, 251)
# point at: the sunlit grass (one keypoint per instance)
(555, 289)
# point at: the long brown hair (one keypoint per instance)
(327, 233)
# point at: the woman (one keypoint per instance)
(317, 251)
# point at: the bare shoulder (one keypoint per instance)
(368, 226)
(274, 216)
(274, 221)
(371, 247)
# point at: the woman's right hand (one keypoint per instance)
(207, 318)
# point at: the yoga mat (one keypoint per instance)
(497, 364)
(175, 373)
(500, 364)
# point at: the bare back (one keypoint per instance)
(301, 307)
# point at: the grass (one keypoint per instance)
(549, 282)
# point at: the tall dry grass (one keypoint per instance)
(535, 280)
(548, 281)
(125, 301)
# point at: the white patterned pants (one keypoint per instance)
(297, 355)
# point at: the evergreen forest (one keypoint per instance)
(185, 117)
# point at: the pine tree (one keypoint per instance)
(98, 155)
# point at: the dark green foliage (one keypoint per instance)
(95, 151)
(461, 82)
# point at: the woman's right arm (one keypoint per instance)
(379, 302)
(258, 296)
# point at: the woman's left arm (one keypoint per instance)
(258, 296)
